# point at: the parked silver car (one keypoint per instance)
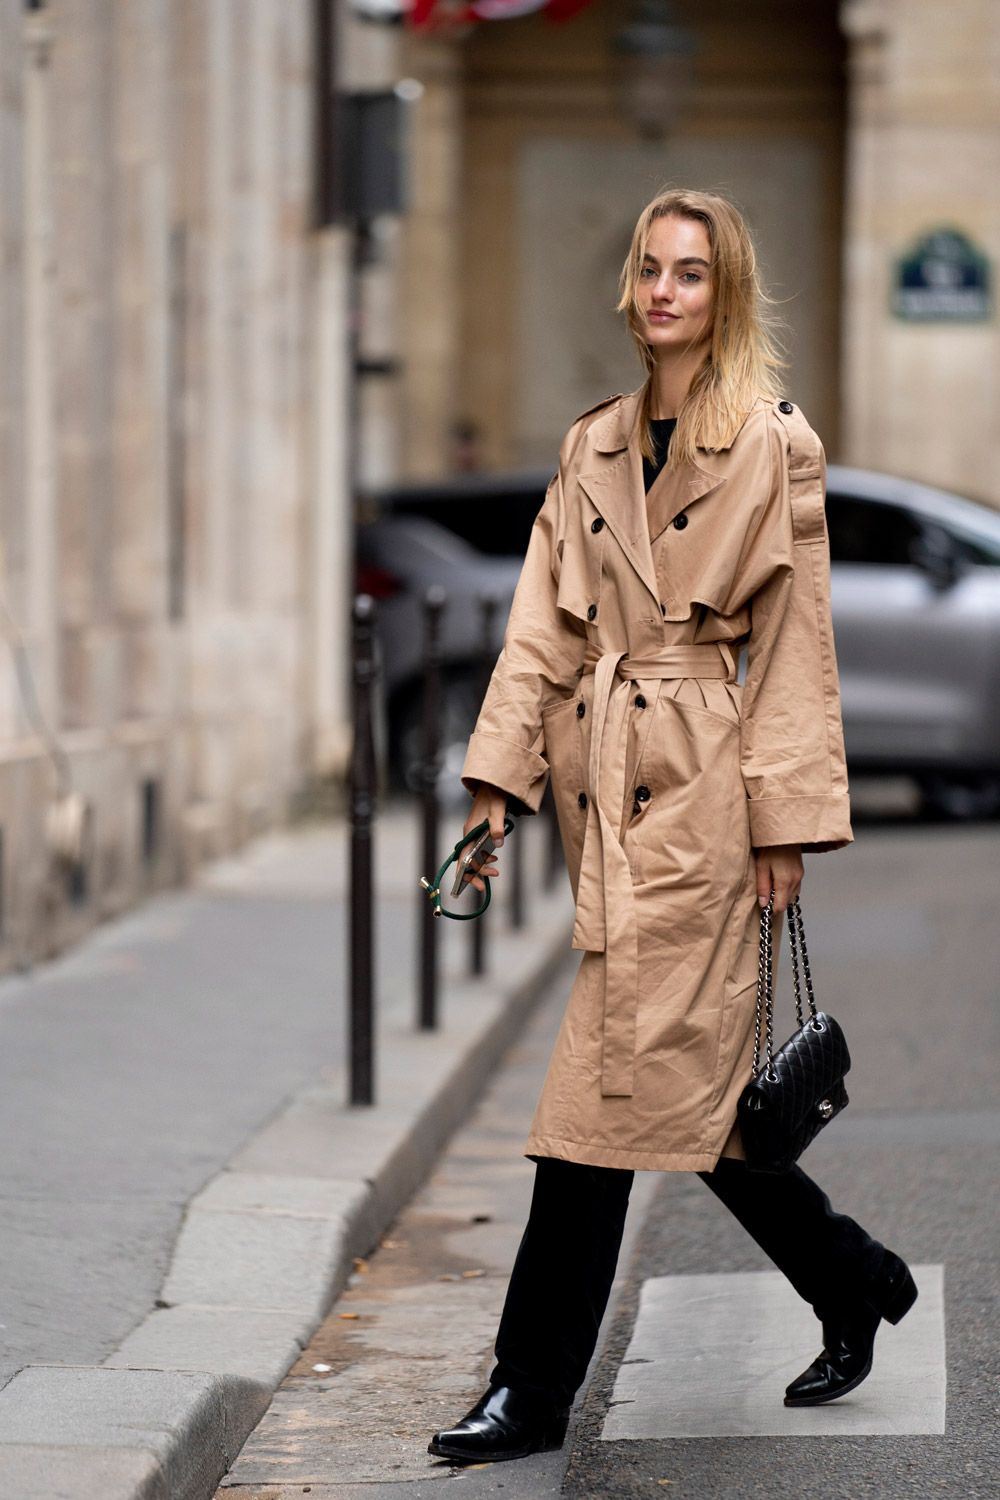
(916, 611)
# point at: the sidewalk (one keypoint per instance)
(184, 1188)
(408, 1347)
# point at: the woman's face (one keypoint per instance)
(675, 285)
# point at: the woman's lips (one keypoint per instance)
(662, 317)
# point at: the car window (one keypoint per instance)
(862, 531)
(981, 551)
(869, 531)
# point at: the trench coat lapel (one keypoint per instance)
(614, 482)
(617, 492)
(673, 490)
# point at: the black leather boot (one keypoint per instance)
(849, 1337)
(504, 1423)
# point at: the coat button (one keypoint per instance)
(592, 612)
(680, 521)
(640, 701)
(581, 709)
(596, 525)
(785, 406)
(642, 794)
(582, 799)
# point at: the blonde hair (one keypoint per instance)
(744, 356)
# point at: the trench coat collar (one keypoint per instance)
(614, 482)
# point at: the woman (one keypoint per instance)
(686, 520)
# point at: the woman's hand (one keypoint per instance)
(489, 802)
(779, 866)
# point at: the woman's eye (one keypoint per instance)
(694, 274)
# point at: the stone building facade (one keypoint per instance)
(921, 397)
(175, 522)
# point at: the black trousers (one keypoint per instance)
(565, 1265)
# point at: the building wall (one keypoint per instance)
(555, 174)
(921, 399)
(847, 129)
(164, 479)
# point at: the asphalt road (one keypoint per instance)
(905, 943)
(904, 939)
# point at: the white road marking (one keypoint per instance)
(711, 1355)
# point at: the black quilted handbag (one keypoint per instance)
(801, 1086)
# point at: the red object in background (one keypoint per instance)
(422, 14)
(379, 582)
(563, 10)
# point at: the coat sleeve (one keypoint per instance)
(540, 663)
(791, 738)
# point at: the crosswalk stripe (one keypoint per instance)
(710, 1356)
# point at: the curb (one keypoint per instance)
(264, 1251)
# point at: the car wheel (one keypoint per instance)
(961, 798)
(462, 696)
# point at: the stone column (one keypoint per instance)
(82, 193)
(39, 607)
(14, 413)
(430, 278)
(140, 275)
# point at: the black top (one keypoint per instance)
(663, 430)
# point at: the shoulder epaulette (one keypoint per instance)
(806, 473)
(597, 405)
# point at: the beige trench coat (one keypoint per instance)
(618, 677)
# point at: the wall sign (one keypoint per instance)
(943, 279)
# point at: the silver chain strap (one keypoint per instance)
(797, 931)
(796, 941)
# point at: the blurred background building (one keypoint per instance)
(204, 345)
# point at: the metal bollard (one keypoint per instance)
(360, 1042)
(515, 868)
(434, 603)
(488, 605)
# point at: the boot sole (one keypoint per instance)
(464, 1457)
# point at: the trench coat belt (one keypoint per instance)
(605, 906)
